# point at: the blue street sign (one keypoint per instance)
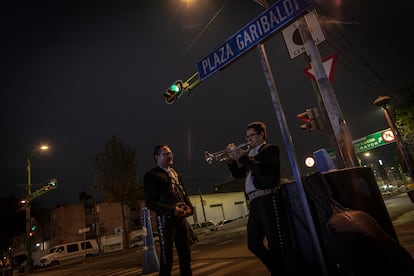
(269, 21)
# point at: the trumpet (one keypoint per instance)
(223, 155)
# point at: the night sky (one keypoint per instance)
(74, 73)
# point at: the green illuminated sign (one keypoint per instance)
(374, 140)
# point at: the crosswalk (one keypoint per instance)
(200, 268)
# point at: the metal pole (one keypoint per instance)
(343, 138)
(202, 205)
(287, 138)
(324, 115)
(28, 217)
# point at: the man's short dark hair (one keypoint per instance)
(157, 150)
(259, 127)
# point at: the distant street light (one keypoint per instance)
(44, 147)
(28, 198)
(310, 161)
(382, 101)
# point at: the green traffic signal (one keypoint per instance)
(32, 224)
(174, 91)
(175, 88)
(52, 183)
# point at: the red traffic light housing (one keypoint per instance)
(312, 120)
(304, 117)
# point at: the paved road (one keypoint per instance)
(235, 259)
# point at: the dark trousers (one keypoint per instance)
(268, 220)
(173, 230)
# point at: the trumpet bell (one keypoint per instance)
(223, 155)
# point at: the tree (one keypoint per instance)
(13, 221)
(116, 168)
(404, 115)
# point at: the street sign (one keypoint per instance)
(269, 21)
(374, 140)
(388, 136)
(328, 64)
(292, 37)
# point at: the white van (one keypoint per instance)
(70, 253)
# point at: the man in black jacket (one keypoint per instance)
(165, 194)
(267, 215)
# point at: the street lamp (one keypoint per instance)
(382, 101)
(28, 201)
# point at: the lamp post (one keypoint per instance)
(382, 101)
(28, 215)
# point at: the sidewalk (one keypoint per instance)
(404, 224)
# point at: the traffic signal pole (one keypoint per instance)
(345, 151)
(30, 196)
(287, 138)
(28, 217)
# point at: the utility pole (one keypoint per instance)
(28, 216)
(345, 150)
(29, 197)
(202, 205)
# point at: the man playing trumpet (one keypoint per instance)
(267, 215)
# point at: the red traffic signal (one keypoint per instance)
(312, 120)
(31, 234)
(306, 117)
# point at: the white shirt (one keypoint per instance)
(249, 186)
(176, 186)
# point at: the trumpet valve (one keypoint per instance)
(223, 155)
(208, 157)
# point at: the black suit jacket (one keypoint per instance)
(159, 196)
(265, 167)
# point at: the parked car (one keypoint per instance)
(209, 226)
(230, 223)
(138, 241)
(223, 222)
(19, 262)
(70, 253)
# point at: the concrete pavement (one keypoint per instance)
(403, 220)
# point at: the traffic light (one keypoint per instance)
(33, 224)
(312, 120)
(304, 117)
(52, 184)
(174, 91)
(33, 227)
